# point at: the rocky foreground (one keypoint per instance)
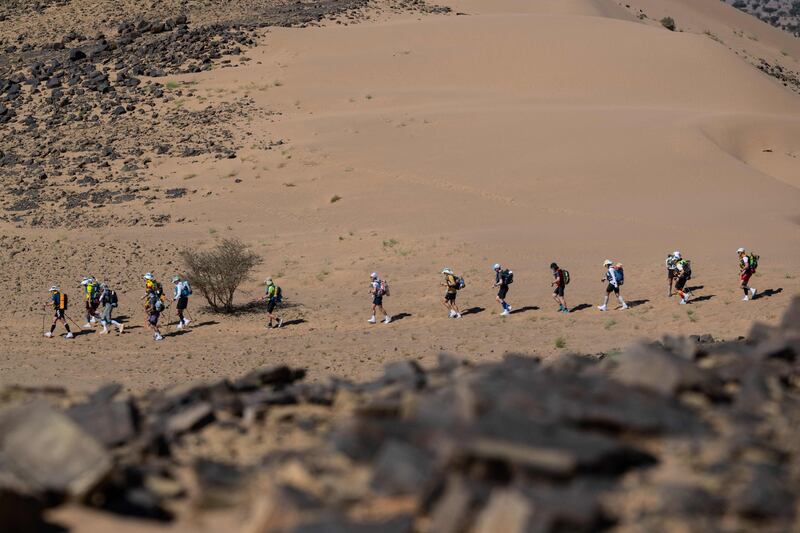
(688, 434)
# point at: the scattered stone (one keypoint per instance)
(49, 452)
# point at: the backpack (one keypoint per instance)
(752, 259)
(671, 262)
(156, 287)
(113, 299)
(93, 292)
(619, 274)
(565, 276)
(687, 268)
(158, 306)
(186, 290)
(62, 302)
(460, 283)
(383, 288)
(507, 277)
(278, 294)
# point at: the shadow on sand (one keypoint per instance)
(767, 293)
(473, 311)
(525, 309)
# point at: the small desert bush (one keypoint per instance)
(669, 23)
(560, 343)
(218, 272)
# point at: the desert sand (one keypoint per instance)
(514, 132)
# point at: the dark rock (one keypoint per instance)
(765, 495)
(191, 418)
(404, 372)
(219, 484)
(76, 54)
(110, 423)
(274, 375)
(401, 469)
(654, 368)
(46, 450)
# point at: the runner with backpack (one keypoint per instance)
(154, 307)
(108, 299)
(683, 272)
(378, 289)
(58, 301)
(151, 284)
(615, 276)
(92, 294)
(502, 279)
(672, 271)
(181, 293)
(274, 296)
(560, 282)
(454, 284)
(748, 263)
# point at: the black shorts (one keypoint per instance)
(672, 274)
(153, 319)
(183, 303)
(271, 305)
(59, 314)
(681, 283)
(559, 290)
(450, 296)
(612, 288)
(502, 292)
(377, 300)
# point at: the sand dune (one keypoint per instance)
(523, 132)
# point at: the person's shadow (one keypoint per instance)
(525, 309)
(293, 322)
(580, 307)
(637, 303)
(400, 316)
(767, 293)
(473, 311)
(704, 298)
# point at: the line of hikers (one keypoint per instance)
(101, 295)
(679, 272)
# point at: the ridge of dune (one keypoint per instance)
(597, 8)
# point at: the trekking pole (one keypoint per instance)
(73, 322)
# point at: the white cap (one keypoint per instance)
(496, 266)
(740, 250)
(148, 276)
(677, 254)
(607, 262)
(374, 275)
(268, 281)
(85, 282)
(54, 288)
(176, 279)
(447, 270)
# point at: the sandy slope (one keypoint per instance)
(521, 133)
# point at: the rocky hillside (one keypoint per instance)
(83, 110)
(783, 14)
(683, 434)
